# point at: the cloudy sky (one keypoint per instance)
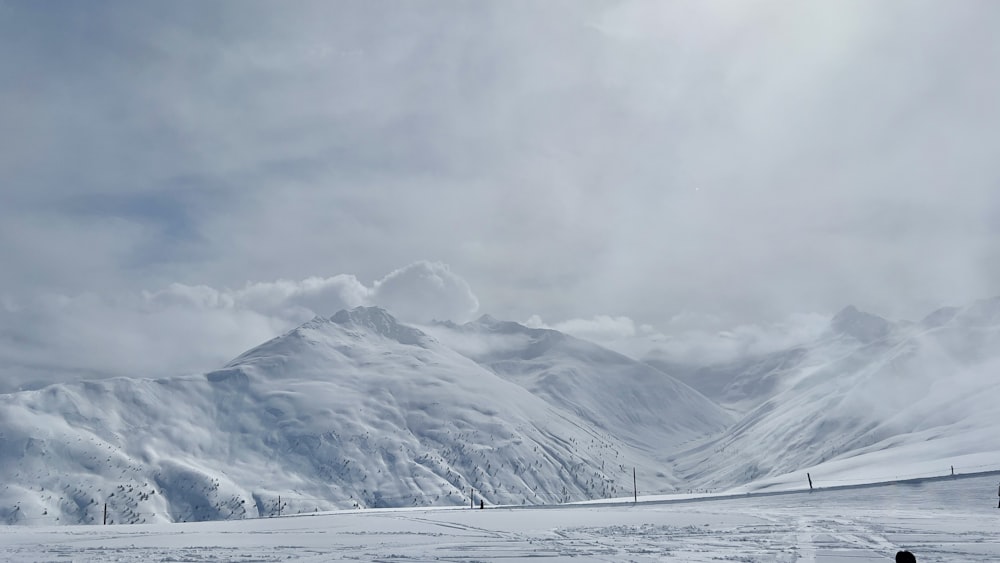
(183, 180)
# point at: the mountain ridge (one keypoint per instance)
(355, 409)
(870, 387)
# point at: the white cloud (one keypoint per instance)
(749, 161)
(420, 292)
(190, 328)
(696, 339)
(600, 327)
(690, 338)
(618, 333)
(479, 345)
(287, 299)
(426, 291)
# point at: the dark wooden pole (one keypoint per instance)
(808, 476)
(635, 489)
(279, 506)
(105, 514)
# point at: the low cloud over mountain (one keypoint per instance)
(184, 328)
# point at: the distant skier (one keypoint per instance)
(905, 557)
(482, 505)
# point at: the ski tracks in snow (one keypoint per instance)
(823, 539)
(805, 538)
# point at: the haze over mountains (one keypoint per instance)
(358, 409)
(870, 392)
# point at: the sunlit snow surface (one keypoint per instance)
(948, 520)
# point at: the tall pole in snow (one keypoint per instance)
(635, 490)
(105, 514)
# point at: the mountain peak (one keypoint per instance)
(490, 324)
(378, 321)
(363, 315)
(487, 320)
(863, 326)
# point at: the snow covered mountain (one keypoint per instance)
(867, 391)
(619, 395)
(360, 410)
(352, 410)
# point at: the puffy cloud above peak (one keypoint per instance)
(289, 300)
(321, 296)
(426, 291)
(418, 292)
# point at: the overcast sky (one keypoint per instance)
(183, 180)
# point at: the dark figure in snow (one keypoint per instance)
(905, 557)
(482, 505)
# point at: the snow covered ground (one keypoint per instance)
(945, 520)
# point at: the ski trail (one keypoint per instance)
(805, 540)
(865, 535)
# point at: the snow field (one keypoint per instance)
(947, 520)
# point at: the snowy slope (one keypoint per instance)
(356, 409)
(867, 392)
(617, 394)
(748, 382)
